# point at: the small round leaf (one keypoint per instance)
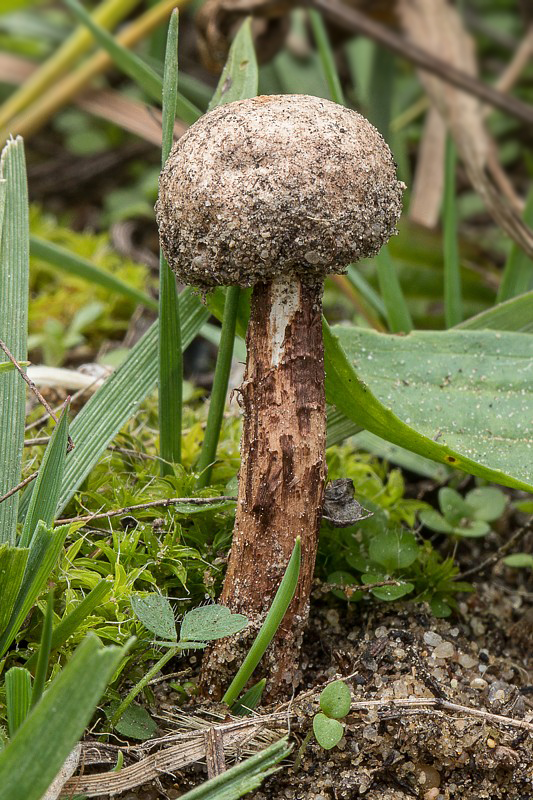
(335, 699)
(328, 732)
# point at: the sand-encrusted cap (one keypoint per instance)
(278, 184)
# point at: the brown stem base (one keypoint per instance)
(281, 481)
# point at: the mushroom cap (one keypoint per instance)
(276, 185)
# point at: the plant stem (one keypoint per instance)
(220, 387)
(145, 680)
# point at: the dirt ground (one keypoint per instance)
(441, 709)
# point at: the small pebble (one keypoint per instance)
(444, 650)
(478, 683)
(431, 794)
(432, 639)
(380, 632)
(467, 661)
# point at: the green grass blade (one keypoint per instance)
(515, 314)
(240, 76)
(46, 489)
(453, 306)
(269, 627)
(220, 387)
(18, 697)
(43, 554)
(133, 66)
(381, 90)
(239, 81)
(518, 271)
(170, 354)
(249, 700)
(120, 396)
(14, 266)
(327, 58)
(244, 777)
(63, 259)
(72, 621)
(366, 291)
(30, 762)
(12, 567)
(398, 316)
(44, 651)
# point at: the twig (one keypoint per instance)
(43, 440)
(33, 388)
(353, 20)
(436, 702)
(19, 486)
(163, 503)
(365, 587)
(499, 553)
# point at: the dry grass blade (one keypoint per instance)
(436, 26)
(190, 748)
(426, 197)
(131, 115)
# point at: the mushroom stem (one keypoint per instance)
(282, 476)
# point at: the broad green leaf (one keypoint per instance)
(328, 732)
(435, 521)
(240, 74)
(519, 560)
(487, 501)
(399, 455)
(119, 398)
(12, 567)
(42, 557)
(135, 722)
(463, 398)
(391, 593)
(512, 315)
(14, 266)
(453, 507)
(335, 699)
(65, 260)
(242, 778)
(30, 762)
(46, 490)
(394, 549)
(472, 529)
(210, 622)
(156, 614)
(18, 697)
(439, 607)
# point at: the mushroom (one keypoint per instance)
(276, 192)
